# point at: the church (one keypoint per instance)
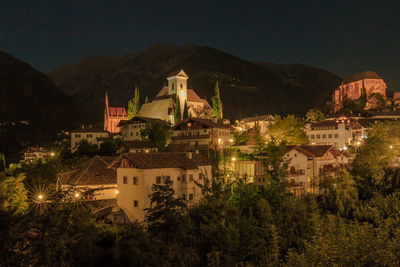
(164, 104)
(112, 117)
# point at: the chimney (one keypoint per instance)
(189, 155)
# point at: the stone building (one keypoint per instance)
(136, 174)
(361, 84)
(202, 134)
(163, 105)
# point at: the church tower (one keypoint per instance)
(177, 84)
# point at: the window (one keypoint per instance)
(135, 180)
(190, 196)
(312, 136)
(135, 203)
(330, 136)
(125, 179)
(295, 155)
(191, 177)
(158, 180)
(324, 136)
(183, 178)
(336, 136)
(200, 176)
(184, 196)
(89, 136)
(131, 134)
(78, 135)
(318, 136)
(178, 179)
(137, 133)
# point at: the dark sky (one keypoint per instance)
(344, 37)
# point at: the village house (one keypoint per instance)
(36, 153)
(130, 129)
(164, 104)
(202, 134)
(93, 180)
(136, 174)
(112, 117)
(263, 122)
(92, 136)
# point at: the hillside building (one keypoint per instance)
(263, 121)
(361, 84)
(92, 180)
(202, 134)
(163, 105)
(92, 136)
(130, 129)
(112, 117)
(36, 153)
(136, 174)
(137, 146)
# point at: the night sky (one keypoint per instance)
(344, 37)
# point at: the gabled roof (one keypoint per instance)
(361, 76)
(92, 172)
(117, 112)
(177, 73)
(315, 151)
(257, 118)
(204, 122)
(161, 161)
(137, 120)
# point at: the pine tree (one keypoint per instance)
(134, 105)
(185, 111)
(177, 113)
(217, 103)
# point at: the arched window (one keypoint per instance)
(181, 85)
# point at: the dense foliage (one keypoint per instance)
(354, 222)
(287, 130)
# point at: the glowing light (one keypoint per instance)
(345, 148)
(390, 146)
(40, 197)
(52, 154)
(233, 159)
(231, 140)
(358, 143)
(77, 195)
(219, 140)
(240, 129)
(116, 192)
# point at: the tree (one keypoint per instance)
(259, 142)
(177, 112)
(185, 111)
(109, 147)
(86, 149)
(134, 105)
(315, 116)
(288, 130)
(146, 100)
(13, 195)
(371, 167)
(217, 103)
(158, 132)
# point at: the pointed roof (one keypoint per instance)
(92, 172)
(179, 73)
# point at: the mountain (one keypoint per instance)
(32, 108)
(246, 88)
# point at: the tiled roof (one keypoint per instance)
(35, 149)
(137, 120)
(177, 73)
(361, 76)
(257, 118)
(204, 122)
(92, 172)
(315, 151)
(117, 111)
(325, 123)
(162, 160)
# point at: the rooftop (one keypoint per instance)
(205, 122)
(361, 76)
(92, 172)
(257, 118)
(160, 161)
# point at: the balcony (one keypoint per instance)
(191, 137)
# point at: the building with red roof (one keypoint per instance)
(112, 117)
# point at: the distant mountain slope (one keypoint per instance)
(30, 96)
(246, 88)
